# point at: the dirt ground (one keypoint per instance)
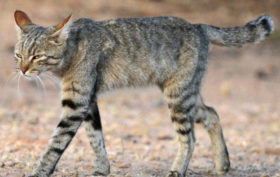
(242, 84)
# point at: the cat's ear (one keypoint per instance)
(21, 19)
(23, 22)
(60, 34)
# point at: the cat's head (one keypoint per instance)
(39, 48)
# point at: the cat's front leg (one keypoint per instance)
(95, 135)
(75, 101)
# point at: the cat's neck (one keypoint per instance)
(68, 55)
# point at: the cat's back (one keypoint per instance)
(137, 32)
(129, 22)
(151, 21)
(144, 36)
(148, 25)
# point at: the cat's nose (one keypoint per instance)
(23, 69)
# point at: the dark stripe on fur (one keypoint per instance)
(74, 118)
(190, 108)
(179, 120)
(56, 150)
(95, 121)
(180, 93)
(210, 109)
(69, 103)
(183, 132)
(70, 133)
(180, 109)
(182, 99)
(198, 120)
(63, 124)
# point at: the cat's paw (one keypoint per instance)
(98, 173)
(223, 169)
(223, 164)
(36, 175)
(101, 169)
(174, 174)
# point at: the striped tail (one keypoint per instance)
(253, 32)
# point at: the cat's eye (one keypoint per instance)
(18, 55)
(36, 57)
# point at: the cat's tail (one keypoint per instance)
(253, 32)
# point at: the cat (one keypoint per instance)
(91, 57)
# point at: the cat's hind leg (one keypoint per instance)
(209, 118)
(95, 136)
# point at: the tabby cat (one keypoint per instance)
(91, 57)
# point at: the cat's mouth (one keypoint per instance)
(29, 77)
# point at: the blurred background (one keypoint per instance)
(241, 83)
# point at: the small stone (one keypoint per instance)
(164, 137)
(124, 165)
(153, 157)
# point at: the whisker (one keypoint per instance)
(52, 83)
(18, 85)
(37, 83)
(42, 84)
(53, 80)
